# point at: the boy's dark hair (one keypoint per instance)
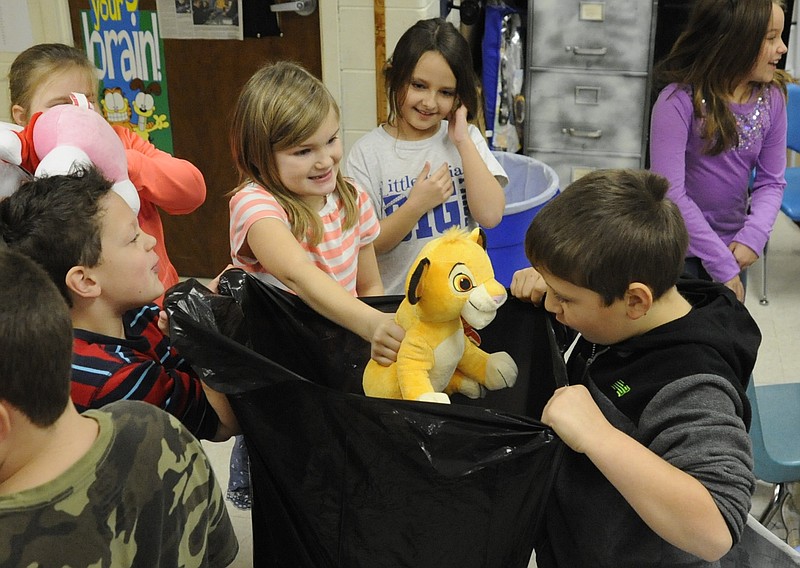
(608, 229)
(56, 221)
(35, 340)
(442, 37)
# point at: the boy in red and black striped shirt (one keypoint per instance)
(89, 241)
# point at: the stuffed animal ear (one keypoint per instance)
(479, 236)
(414, 292)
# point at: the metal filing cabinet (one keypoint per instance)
(588, 84)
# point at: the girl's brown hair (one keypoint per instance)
(713, 55)
(441, 37)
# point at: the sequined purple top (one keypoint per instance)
(712, 191)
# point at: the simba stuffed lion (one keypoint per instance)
(452, 278)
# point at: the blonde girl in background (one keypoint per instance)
(719, 119)
(44, 75)
(427, 169)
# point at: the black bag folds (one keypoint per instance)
(342, 480)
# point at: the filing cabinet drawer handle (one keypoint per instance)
(582, 133)
(577, 50)
(301, 7)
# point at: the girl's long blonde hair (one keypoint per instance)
(721, 44)
(281, 106)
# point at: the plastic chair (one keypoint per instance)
(775, 432)
(790, 205)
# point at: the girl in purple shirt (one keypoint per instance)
(720, 121)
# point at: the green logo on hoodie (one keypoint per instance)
(621, 388)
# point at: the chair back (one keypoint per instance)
(793, 117)
(773, 431)
(760, 455)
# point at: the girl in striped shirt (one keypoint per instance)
(295, 221)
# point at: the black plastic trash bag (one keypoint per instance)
(343, 480)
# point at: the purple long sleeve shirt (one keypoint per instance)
(712, 191)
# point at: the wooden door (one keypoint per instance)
(204, 78)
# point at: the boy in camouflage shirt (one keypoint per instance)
(127, 485)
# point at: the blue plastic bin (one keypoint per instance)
(531, 184)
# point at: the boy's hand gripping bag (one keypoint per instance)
(342, 480)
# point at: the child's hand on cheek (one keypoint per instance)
(575, 417)
(457, 126)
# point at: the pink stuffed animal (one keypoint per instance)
(56, 140)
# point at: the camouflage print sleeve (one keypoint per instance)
(144, 495)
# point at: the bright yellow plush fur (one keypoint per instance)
(451, 278)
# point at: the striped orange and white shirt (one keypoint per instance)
(337, 252)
